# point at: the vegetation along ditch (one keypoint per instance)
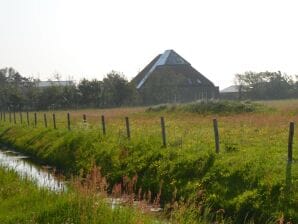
(249, 179)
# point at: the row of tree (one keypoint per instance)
(21, 93)
(266, 85)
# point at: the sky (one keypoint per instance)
(89, 38)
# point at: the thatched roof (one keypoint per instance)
(171, 61)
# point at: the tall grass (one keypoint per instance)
(23, 202)
(86, 202)
(249, 179)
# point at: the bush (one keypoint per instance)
(210, 107)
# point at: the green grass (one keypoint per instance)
(249, 179)
(22, 202)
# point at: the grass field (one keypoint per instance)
(250, 179)
(23, 202)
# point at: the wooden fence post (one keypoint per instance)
(103, 124)
(9, 117)
(54, 121)
(35, 120)
(290, 143)
(14, 117)
(127, 127)
(28, 121)
(21, 117)
(163, 131)
(216, 135)
(68, 121)
(45, 120)
(84, 118)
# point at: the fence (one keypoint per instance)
(13, 120)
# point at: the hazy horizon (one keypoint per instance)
(88, 39)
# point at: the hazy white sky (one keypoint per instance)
(89, 38)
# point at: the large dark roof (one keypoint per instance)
(170, 60)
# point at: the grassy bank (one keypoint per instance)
(23, 202)
(249, 179)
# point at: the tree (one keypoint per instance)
(18, 92)
(50, 97)
(71, 96)
(90, 92)
(116, 90)
(12, 89)
(265, 85)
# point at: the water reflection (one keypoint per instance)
(26, 169)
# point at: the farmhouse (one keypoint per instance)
(45, 84)
(169, 78)
(234, 92)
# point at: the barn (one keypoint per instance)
(234, 92)
(169, 78)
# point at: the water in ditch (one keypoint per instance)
(43, 176)
(25, 168)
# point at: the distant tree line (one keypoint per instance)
(266, 85)
(21, 93)
(114, 90)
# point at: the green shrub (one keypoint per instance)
(210, 107)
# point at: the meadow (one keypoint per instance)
(249, 180)
(23, 202)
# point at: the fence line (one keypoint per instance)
(290, 143)
(45, 120)
(28, 120)
(103, 124)
(216, 135)
(127, 127)
(12, 115)
(163, 131)
(54, 121)
(68, 121)
(35, 120)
